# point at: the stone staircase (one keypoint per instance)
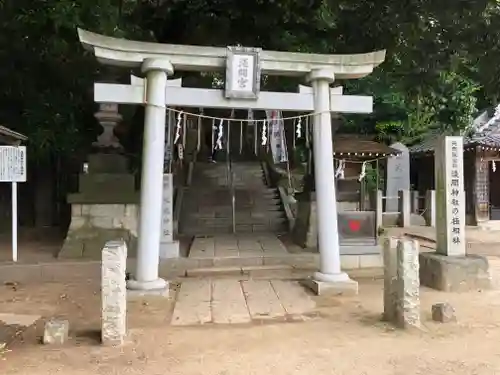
(207, 208)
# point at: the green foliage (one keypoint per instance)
(441, 57)
(46, 77)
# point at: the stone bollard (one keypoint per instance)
(430, 208)
(390, 275)
(404, 203)
(56, 332)
(407, 288)
(414, 201)
(113, 293)
(443, 313)
(379, 209)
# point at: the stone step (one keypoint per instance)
(199, 207)
(194, 226)
(262, 216)
(251, 272)
(200, 224)
(216, 201)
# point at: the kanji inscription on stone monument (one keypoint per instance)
(450, 197)
(167, 209)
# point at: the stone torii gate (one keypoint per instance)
(244, 67)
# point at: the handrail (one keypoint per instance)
(230, 179)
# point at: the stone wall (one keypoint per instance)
(92, 225)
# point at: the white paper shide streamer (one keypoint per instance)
(220, 134)
(298, 129)
(362, 175)
(339, 173)
(178, 128)
(264, 133)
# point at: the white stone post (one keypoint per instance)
(407, 287)
(450, 196)
(414, 201)
(168, 247)
(330, 275)
(379, 208)
(113, 293)
(404, 208)
(150, 222)
(430, 208)
(390, 276)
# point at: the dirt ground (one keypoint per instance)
(347, 337)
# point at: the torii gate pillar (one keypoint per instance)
(146, 274)
(330, 277)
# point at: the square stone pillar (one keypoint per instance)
(450, 268)
(481, 189)
(450, 196)
(404, 203)
(379, 208)
(390, 276)
(113, 293)
(169, 248)
(430, 208)
(414, 201)
(407, 287)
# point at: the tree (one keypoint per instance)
(45, 76)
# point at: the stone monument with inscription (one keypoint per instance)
(450, 197)
(398, 176)
(450, 268)
(169, 248)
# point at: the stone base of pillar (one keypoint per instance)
(454, 274)
(169, 250)
(336, 285)
(158, 287)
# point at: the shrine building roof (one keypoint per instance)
(484, 132)
(360, 146)
(10, 137)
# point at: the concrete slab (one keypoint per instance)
(321, 288)
(202, 248)
(193, 303)
(263, 303)
(273, 246)
(293, 297)
(454, 274)
(228, 303)
(224, 252)
(19, 319)
(249, 245)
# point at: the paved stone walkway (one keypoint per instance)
(234, 246)
(230, 301)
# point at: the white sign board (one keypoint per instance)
(450, 196)
(12, 163)
(243, 73)
(167, 225)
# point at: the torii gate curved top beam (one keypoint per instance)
(129, 53)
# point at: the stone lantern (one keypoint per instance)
(109, 117)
